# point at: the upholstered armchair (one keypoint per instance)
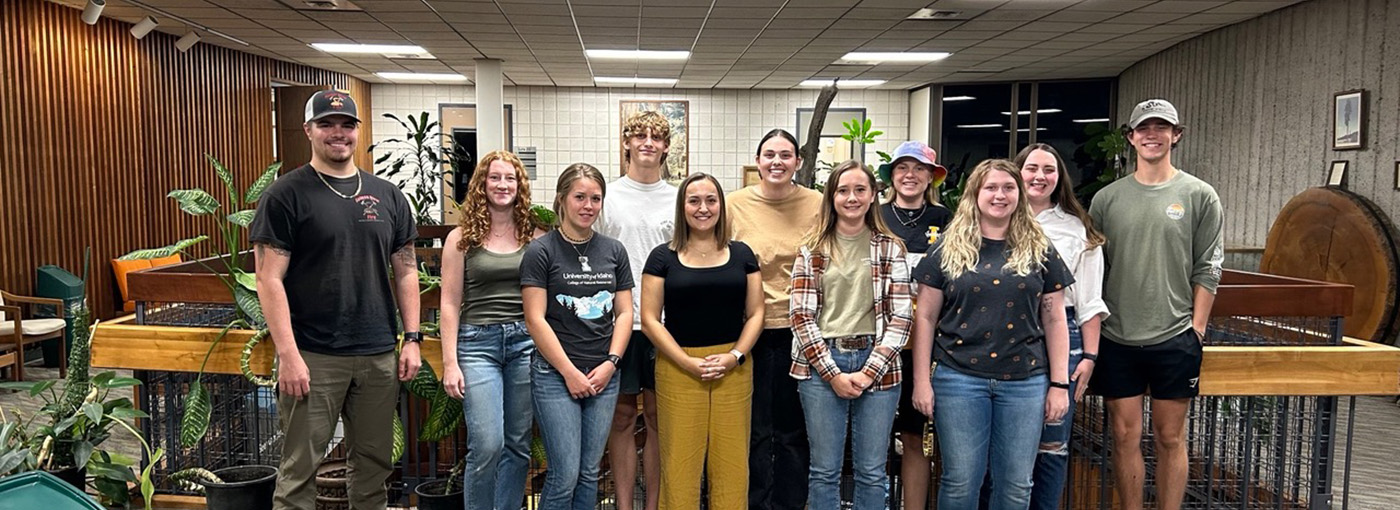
(16, 332)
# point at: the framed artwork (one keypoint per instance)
(1337, 176)
(1349, 120)
(678, 152)
(751, 176)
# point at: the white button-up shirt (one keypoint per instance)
(1067, 233)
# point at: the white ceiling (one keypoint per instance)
(734, 43)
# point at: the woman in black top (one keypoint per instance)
(991, 313)
(914, 214)
(711, 292)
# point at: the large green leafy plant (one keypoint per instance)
(419, 152)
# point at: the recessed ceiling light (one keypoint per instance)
(624, 80)
(386, 49)
(869, 57)
(844, 83)
(978, 126)
(637, 54)
(423, 76)
(958, 98)
(1042, 110)
(1090, 121)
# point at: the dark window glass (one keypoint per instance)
(974, 129)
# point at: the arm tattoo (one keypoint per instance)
(261, 246)
(1046, 305)
(406, 257)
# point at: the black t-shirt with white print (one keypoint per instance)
(989, 325)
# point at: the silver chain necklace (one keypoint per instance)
(359, 183)
(910, 223)
(582, 259)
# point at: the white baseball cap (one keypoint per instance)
(1153, 109)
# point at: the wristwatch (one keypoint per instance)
(615, 359)
(1094, 357)
(737, 355)
(413, 336)
(1061, 385)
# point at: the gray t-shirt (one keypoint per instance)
(1162, 240)
(640, 216)
(579, 281)
(990, 322)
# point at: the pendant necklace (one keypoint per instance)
(910, 223)
(359, 182)
(582, 259)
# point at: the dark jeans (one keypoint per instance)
(778, 453)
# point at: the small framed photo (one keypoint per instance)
(1338, 175)
(1349, 120)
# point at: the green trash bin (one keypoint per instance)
(39, 490)
(54, 282)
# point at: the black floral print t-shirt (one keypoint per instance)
(989, 325)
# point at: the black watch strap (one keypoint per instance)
(413, 336)
(1090, 356)
(1060, 385)
(615, 359)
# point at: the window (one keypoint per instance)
(832, 148)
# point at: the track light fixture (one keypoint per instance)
(146, 25)
(187, 42)
(93, 11)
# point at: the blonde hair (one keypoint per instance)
(573, 174)
(681, 238)
(930, 191)
(475, 220)
(961, 242)
(819, 239)
(640, 122)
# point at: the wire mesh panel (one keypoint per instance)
(1246, 452)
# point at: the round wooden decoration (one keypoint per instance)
(1334, 235)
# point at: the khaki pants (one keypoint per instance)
(364, 391)
(704, 424)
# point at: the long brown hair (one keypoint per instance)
(1063, 194)
(819, 240)
(475, 220)
(573, 174)
(682, 229)
(961, 243)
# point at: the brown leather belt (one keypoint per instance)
(852, 343)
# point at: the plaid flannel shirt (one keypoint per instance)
(889, 272)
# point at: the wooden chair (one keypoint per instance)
(16, 332)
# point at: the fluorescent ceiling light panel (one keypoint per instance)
(638, 54)
(949, 99)
(383, 49)
(872, 57)
(1089, 121)
(978, 126)
(843, 83)
(1024, 130)
(624, 80)
(423, 76)
(1042, 110)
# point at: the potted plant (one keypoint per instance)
(420, 153)
(443, 494)
(231, 488)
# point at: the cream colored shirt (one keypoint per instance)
(774, 229)
(1067, 233)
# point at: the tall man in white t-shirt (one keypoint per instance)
(639, 211)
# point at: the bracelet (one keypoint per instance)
(1094, 357)
(1061, 385)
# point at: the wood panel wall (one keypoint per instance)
(96, 127)
(1256, 99)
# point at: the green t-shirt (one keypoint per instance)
(1163, 240)
(849, 305)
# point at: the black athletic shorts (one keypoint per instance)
(1168, 370)
(637, 370)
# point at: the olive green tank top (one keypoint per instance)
(492, 287)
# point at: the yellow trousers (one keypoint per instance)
(704, 426)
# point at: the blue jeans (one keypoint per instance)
(1052, 464)
(870, 417)
(575, 435)
(495, 362)
(985, 421)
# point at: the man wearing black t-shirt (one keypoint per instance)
(325, 236)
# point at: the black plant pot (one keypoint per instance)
(74, 476)
(431, 497)
(244, 488)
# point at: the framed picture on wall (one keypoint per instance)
(1337, 176)
(1349, 120)
(678, 152)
